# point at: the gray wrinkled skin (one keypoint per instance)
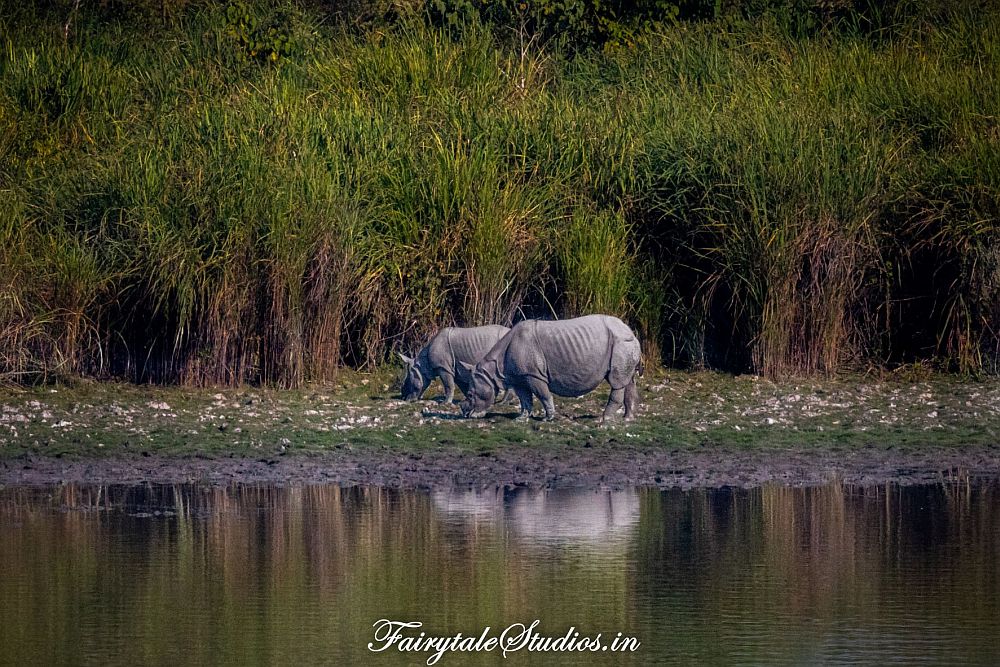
(443, 357)
(565, 358)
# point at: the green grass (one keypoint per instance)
(176, 211)
(680, 411)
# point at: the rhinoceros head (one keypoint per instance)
(482, 390)
(415, 383)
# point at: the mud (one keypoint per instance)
(584, 467)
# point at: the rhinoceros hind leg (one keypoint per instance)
(631, 400)
(624, 363)
(527, 402)
(615, 400)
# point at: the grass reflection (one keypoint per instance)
(264, 574)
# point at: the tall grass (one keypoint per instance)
(595, 263)
(177, 211)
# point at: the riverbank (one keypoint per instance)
(605, 467)
(694, 430)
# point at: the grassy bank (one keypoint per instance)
(178, 208)
(681, 412)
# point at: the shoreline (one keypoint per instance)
(694, 430)
(708, 467)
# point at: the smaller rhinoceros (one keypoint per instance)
(442, 357)
(563, 357)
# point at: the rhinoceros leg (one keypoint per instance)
(541, 389)
(631, 400)
(624, 361)
(448, 380)
(615, 400)
(527, 401)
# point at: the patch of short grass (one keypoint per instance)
(679, 411)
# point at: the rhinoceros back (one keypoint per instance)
(574, 356)
(469, 345)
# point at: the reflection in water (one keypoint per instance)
(162, 574)
(571, 517)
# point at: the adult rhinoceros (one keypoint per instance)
(564, 357)
(442, 357)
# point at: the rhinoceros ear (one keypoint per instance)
(406, 360)
(466, 367)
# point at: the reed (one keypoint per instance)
(178, 209)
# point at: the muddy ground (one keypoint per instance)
(695, 430)
(597, 467)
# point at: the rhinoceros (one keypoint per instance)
(563, 357)
(442, 357)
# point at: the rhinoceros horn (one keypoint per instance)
(406, 360)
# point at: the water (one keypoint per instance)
(268, 575)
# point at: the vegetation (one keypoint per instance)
(927, 414)
(207, 194)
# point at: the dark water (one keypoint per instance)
(195, 575)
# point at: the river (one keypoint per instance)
(254, 574)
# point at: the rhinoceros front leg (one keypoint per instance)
(615, 400)
(448, 380)
(541, 389)
(527, 402)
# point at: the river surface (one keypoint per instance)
(299, 575)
